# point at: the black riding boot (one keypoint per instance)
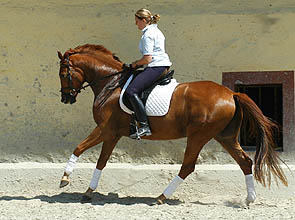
(138, 107)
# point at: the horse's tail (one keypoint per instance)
(266, 161)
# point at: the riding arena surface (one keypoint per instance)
(128, 191)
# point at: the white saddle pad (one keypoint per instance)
(158, 101)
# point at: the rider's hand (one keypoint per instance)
(134, 65)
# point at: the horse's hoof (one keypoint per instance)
(160, 199)
(86, 198)
(160, 202)
(250, 198)
(64, 182)
(248, 202)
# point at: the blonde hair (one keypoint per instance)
(147, 15)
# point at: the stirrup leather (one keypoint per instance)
(133, 129)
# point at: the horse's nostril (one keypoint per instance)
(68, 98)
(72, 99)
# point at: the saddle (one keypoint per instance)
(164, 79)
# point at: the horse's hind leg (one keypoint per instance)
(195, 143)
(245, 163)
(228, 138)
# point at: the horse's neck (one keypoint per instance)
(96, 71)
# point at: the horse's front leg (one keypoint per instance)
(106, 151)
(93, 139)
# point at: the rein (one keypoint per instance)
(73, 90)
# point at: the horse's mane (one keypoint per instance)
(91, 49)
(118, 80)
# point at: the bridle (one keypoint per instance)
(71, 94)
(72, 91)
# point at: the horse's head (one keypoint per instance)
(93, 62)
(71, 78)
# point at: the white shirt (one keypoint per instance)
(152, 43)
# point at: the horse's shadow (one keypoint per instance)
(234, 203)
(98, 199)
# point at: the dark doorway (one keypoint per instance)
(285, 101)
(268, 98)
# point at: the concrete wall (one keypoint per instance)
(203, 39)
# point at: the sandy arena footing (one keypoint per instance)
(126, 191)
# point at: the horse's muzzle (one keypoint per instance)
(67, 98)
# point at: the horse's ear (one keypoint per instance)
(60, 55)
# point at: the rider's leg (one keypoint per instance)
(138, 107)
(141, 82)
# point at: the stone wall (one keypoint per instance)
(203, 39)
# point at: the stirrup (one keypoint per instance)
(135, 136)
(144, 131)
(140, 132)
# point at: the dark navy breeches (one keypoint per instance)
(144, 80)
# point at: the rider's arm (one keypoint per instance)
(146, 59)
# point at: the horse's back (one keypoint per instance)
(206, 92)
(208, 88)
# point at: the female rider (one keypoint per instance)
(155, 60)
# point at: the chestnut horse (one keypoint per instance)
(199, 111)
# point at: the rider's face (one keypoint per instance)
(140, 23)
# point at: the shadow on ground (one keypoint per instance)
(98, 199)
(234, 203)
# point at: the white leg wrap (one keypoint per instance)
(95, 178)
(250, 188)
(172, 186)
(71, 164)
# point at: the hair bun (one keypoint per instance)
(155, 18)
